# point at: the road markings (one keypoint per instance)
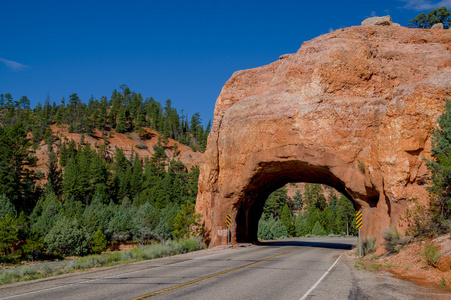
(167, 290)
(69, 284)
(319, 280)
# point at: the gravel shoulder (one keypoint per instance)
(369, 283)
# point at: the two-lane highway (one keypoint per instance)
(275, 270)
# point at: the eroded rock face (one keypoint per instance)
(353, 109)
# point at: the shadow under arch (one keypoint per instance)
(315, 244)
(271, 176)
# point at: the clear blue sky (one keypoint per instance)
(179, 50)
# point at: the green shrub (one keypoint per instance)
(46, 269)
(27, 271)
(9, 276)
(392, 240)
(361, 166)
(369, 245)
(264, 230)
(278, 230)
(431, 255)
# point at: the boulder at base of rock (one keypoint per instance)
(444, 263)
(437, 26)
(383, 21)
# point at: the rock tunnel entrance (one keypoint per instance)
(273, 176)
(330, 114)
(244, 196)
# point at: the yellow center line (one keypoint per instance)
(173, 288)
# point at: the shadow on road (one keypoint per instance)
(343, 246)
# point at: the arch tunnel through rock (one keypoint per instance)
(271, 177)
(349, 100)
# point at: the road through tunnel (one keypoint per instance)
(272, 176)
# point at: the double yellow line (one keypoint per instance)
(160, 292)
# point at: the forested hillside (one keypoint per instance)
(90, 194)
(69, 187)
(313, 209)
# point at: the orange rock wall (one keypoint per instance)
(352, 109)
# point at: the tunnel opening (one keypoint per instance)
(306, 209)
(272, 176)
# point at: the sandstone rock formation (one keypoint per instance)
(352, 109)
(437, 26)
(382, 21)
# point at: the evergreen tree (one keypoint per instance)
(34, 245)
(439, 15)
(8, 233)
(54, 175)
(6, 207)
(318, 229)
(275, 202)
(17, 179)
(345, 215)
(287, 220)
(45, 212)
(313, 196)
(278, 230)
(67, 237)
(264, 230)
(136, 177)
(72, 184)
(301, 226)
(187, 223)
(121, 125)
(440, 168)
(297, 199)
(98, 242)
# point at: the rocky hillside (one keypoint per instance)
(130, 143)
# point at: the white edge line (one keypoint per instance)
(319, 280)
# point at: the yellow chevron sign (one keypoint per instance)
(358, 219)
(229, 220)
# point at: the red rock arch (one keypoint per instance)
(352, 109)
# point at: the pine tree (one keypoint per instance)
(17, 178)
(6, 207)
(8, 233)
(54, 175)
(72, 185)
(287, 220)
(345, 215)
(275, 202)
(136, 177)
(98, 242)
(440, 168)
(313, 196)
(121, 125)
(187, 223)
(318, 229)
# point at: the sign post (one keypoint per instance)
(229, 222)
(358, 224)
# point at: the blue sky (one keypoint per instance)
(179, 50)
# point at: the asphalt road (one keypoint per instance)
(294, 269)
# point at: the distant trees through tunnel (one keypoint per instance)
(306, 209)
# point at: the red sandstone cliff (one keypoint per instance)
(353, 109)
